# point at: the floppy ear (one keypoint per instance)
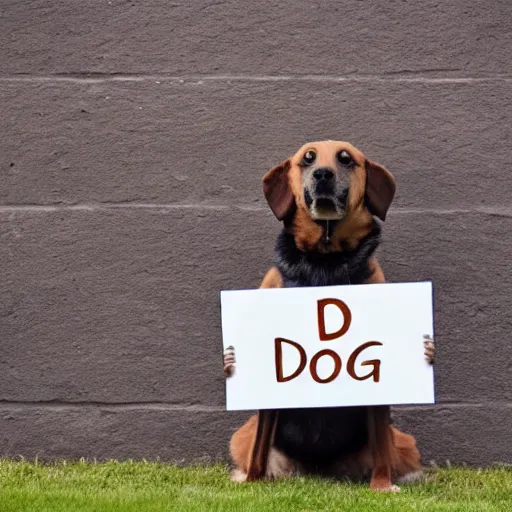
(380, 189)
(277, 190)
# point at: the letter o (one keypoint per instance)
(314, 362)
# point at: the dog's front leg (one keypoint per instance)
(381, 446)
(267, 422)
(267, 419)
(379, 423)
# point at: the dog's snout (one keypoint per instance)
(324, 173)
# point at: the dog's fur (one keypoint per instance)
(329, 238)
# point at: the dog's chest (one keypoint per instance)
(316, 437)
(315, 275)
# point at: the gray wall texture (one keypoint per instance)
(133, 139)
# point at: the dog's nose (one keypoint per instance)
(324, 173)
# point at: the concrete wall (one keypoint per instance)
(133, 139)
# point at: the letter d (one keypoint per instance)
(347, 318)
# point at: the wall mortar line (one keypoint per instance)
(504, 211)
(92, 78)
(61, 405)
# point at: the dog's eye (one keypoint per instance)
(344, 158)
(309, 157)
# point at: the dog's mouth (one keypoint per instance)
(325, 203)
(326, 207)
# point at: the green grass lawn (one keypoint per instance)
(141, 486)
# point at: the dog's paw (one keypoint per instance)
(229, 362)
(430, 348)
(238, 476)
(385, 488)
(391, 488)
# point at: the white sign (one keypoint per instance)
(328, 346)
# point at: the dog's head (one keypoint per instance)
(329, 180)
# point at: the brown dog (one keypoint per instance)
(327, 195)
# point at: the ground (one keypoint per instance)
(143, 486)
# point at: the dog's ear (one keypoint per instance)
(380, 189)
(277, 190)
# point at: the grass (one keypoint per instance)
(143, 486)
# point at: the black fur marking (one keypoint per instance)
(299, 268)
(318, 437)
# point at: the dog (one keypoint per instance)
(328, 196)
